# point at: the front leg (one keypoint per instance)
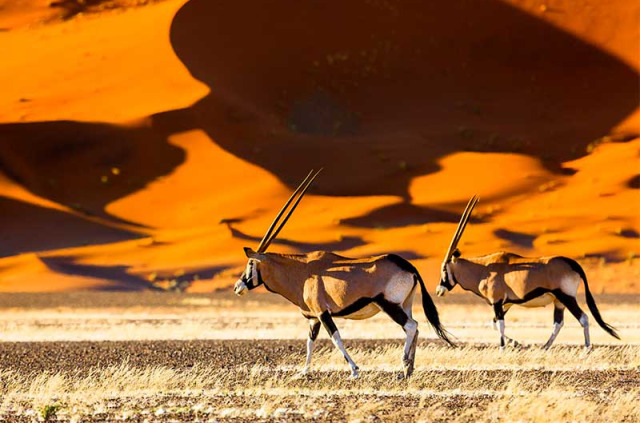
(314, 329)
(327, 322)
(499, 316)
(494, 324)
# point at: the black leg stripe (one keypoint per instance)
(570, 302)
(393, 310)
(314, 330)
(498, 310)
(558, 315)
(327, 322)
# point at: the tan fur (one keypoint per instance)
(510, 277)
(323, 281)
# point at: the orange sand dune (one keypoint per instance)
(146, 145)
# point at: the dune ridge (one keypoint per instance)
(143, 147)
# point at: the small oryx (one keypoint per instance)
(504, 279)
(325, 285)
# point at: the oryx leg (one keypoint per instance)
(410, 327)
(505, 309)
(572, 304)
(327, 322)
(499, 316)
(407, 307)
(314, 330)
(558, 322)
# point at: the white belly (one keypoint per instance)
(540, 301)
(364, 313)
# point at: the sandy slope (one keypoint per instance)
(128, 137)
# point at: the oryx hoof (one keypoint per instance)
(408, 368)
(587, 350)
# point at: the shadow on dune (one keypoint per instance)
(403, 214)
(86, 166)
(28, 228)
(520, 239)
(377, 92)
(344, 243)
(117, 276)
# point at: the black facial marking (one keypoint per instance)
(393, 310)
(314, 330)
(327, 322)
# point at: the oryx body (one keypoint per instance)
(505, 279)
(325, 285)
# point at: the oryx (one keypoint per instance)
(504, 279)
(325, 285)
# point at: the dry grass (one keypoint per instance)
(475, 382)
(466, 384)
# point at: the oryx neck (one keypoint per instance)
(283, 275)
(464, 273)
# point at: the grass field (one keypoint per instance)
(170, 357)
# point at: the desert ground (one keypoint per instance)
(161, 357)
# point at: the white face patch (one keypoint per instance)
(452, 281)
(252, 272)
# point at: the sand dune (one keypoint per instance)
(146, 145)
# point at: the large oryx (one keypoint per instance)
(504, 279)
(325, 285)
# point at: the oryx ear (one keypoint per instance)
(252, 254)
(456, 254)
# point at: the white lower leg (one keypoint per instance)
(556, 329)
(584, 321)
(410, 328)
(502, 337)
(309, 352)
(337, 341)
(408, 356)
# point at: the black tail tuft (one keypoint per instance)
(431, 312)
(591, 302)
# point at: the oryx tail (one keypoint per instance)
(591, 303)
(431, 312)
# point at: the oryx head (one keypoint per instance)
(447, 281)
(250, 278)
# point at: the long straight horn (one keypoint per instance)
(301, 190)
(461, 226)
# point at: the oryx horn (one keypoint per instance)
(270, 235)
(461, 226)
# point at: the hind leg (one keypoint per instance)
(410, 327)
(558, 322)
(572, 304)
(327, 322)
(407, 307)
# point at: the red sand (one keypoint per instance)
(118, 165)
